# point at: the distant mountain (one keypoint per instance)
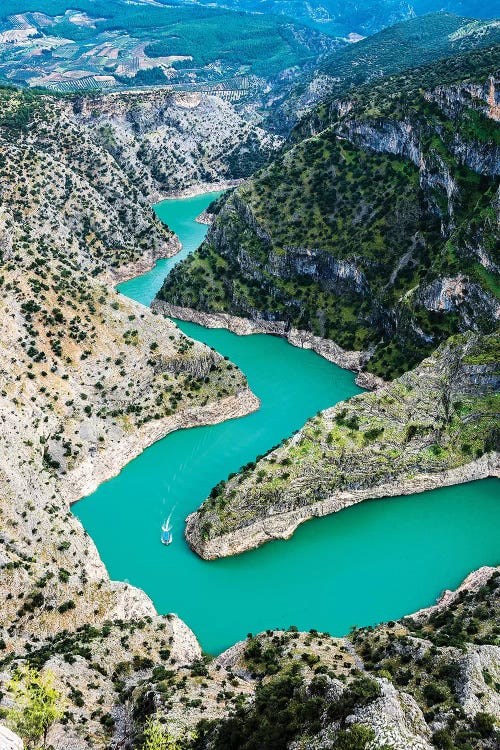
(115, 44)
(400, 47)
(408, 44)
(341, 17)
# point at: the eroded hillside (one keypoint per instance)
(169, 142)
(88, 379)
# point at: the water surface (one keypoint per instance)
(180, 216)
(373, 562)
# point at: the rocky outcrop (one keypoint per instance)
(205, 218)
(396, 719)
(318, 265)
(369, 381)
(480, 672)
(204, 187)
(9, 740)
(404, 138)
(493, 100)
(458, 295)
(145, 263)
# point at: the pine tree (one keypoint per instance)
(37, 704)
(155, 736)
(158, 737)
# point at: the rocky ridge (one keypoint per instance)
(433, 427)
(173, 142)
(431, 37)
(401, 685)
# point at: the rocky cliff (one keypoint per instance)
(173, 141)
(378, 229)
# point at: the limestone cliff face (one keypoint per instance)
(284, 263)
(172, 141)
(350, 360)
(377, 227)
(405, 139)
(317, 265)
(433, 427)
(458, 295)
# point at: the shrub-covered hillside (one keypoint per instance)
(378, 229)
(434, 426)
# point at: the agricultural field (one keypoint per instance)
(114, 44)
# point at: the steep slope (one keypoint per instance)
(434, 426)
(378, 230)
(70, 189)
(208, 141)
(88, 378)
(423, 39)
(113, 156)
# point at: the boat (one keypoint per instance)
(166, 532)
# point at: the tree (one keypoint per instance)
(159, 737)
(484, 723)
(37, 704)
(155, 737)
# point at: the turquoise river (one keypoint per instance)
(370, 563)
